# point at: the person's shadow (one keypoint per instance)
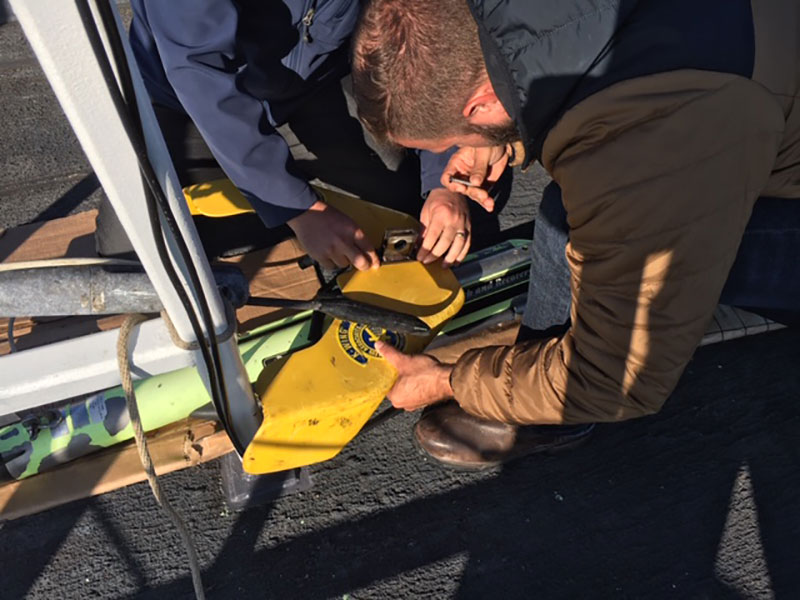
(701, 500)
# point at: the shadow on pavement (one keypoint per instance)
(646, 509)
(71, 199)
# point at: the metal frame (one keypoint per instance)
(84, 365)
(37, 376)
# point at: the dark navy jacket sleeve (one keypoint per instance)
(431, 167)
(195, 40)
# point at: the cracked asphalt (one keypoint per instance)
(699, 501)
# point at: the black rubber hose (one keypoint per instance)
(341, 307)
(213, 362)
(208, 348)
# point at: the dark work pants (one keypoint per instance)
(765, 277)
(328, 144)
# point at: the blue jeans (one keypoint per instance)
(765, 277)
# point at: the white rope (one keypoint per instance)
(123, 358)
(67, 262)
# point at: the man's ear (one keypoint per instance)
(484, 107)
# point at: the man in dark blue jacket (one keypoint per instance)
(233, 72)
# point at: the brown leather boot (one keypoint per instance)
(456, 439)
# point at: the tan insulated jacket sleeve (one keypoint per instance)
(658, 177)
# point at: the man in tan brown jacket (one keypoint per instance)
(671, 129)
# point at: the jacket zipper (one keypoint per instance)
(308, 19)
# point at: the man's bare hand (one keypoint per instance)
(481, 166)
(447, 232)
(333, 239)
(422, 380)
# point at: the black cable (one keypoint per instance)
(208, 347)
(127, 111)
(213, 363)
(117, 51)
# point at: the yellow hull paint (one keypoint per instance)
(219, 198)
(317, 399)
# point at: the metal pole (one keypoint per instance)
(57, 36)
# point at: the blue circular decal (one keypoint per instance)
(358, 341)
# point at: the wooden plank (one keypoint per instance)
(183, 444)
(274, 272)
(71, 236)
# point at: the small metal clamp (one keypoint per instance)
(399, 245)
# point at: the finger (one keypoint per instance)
(397, 399)
(326, 262)
(457, 248)
(453, 181)
(498, 168)
(392, 355)
(366, 248)
(425, 217)
(405, 405)
(358, 252)
(449, 172)
(422, 254)
(464, 251)
(487, 204)
(485, 200)
(360, 261)
(429, 240)
(482, 197)
(459, 188)
(480, 168)
(458, 163)
(442, 245)
(340, 261)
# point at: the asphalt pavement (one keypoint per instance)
(699, 501)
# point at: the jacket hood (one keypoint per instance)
(545, 56)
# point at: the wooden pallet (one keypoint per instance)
(177, 446)
(273, 271)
